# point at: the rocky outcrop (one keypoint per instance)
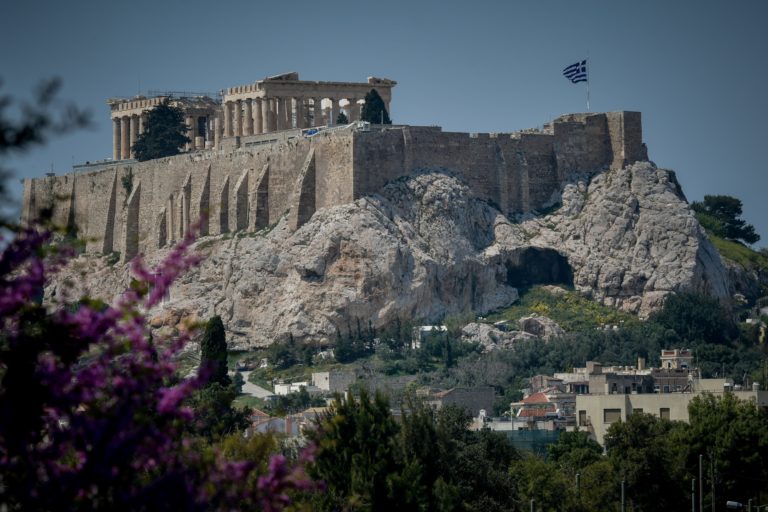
(541, 326)
(424, 247)
(629, 237)
(492, 338)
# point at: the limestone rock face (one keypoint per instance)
(631, 239)
(424, 247)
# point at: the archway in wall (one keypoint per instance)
(534, 265)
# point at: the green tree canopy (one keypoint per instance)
(721, 216)
(696, 318)
(644, 453)
(732, 435)
(342, 119)
(358, 457)
(374, 110)
(164, 133)
(213, 354)
(574, 450)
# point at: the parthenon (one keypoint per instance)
(276, 103)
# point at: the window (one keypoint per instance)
(611, 415)
(664, 413)
(582, 418)
(637, 410)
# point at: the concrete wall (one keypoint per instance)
(138, 207)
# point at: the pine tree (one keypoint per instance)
(214, 351)
(342, 119)
(164, 133)
(374, 110)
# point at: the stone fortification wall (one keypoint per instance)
(139, 207)
(516, 171)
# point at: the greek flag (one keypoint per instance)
(576, 72)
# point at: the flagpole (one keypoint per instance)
(589, 72)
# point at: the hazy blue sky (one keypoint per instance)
(697, 69)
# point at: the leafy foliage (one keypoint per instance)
(732, 435)
(342, 119)
(696, 318)
(571, 311)
(164, 133)
(374, 110)
(293, 402)
(720, 215)
(357, 456)
(644, 451)
(214, 416)
(574, 450)
(91, 408)
(430, 462)
(741, 254)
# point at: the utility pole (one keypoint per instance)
(693, 495)
(712, 466)
(578, 496)
(532, 505)
(701, 484)
(622, 495)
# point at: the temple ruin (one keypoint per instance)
(276, 103)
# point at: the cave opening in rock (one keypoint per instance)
(534, 265)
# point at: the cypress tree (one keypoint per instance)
(214, 351)
(374, 110)
(164, 133)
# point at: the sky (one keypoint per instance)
(695, 69)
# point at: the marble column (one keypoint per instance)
(334, 111)
(142, 120)
(237, 117)
(300, 123)
(354, 110)
(288, 113)
(272, 115)
(125, 149)
(134, 127)
(248, 126)
(280, 113)
(190, 122)
(258, 117)
(318, 121)
(227, 119)
(217, 132)
(116, 139)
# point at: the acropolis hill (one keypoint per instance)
(265, 163)
(313, 228)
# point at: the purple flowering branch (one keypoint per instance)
(92, 411)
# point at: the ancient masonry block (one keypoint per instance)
(131, 224)
(224, 207)
(241, 202)
(303, 205)
(260, 201)
(148, 205)
(204, 202)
